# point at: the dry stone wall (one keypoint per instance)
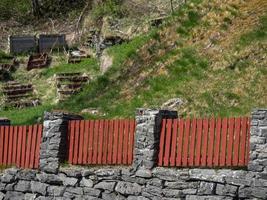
(142, 181)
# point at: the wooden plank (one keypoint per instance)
(10, 145)
(248, 142)
(95, 141)
(236, 141)
(242, 149)
(33, 145)
(162, 142)
(223, 143)
(76, 142)
(110, 141)
(211, 142)
(168, 143)
(71, 140)
(23, 147)
(2, 132)
(205, 143)
(125, 141)
(192, 143)
(121, 134)
(180, 142)
(91, 143)
(174, 142)
(6, 131)
(186, 142)
(115, 146)
(217, 142)
(38, 144)
(198, 142)
(28, 149)
(101, 135)
(86, 141)
(131, 142)
(18, 159)
(230, 142)
(105, 142)
(15, 140)
(81, 141)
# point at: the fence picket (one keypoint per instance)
(247, 142)
(186, 141)
(110, 141)
(115, 144)
(192, 143)
(205, 142)
(217, 142)
(2, 132)
(121, 132)
(76, 142)
(105, 142)
(81, 141)
(223, 144)
(38, 143)
(125, 142)
(95, 141)
(91, 143)
(180, 143)
(168, 143)
(174, 142)
(236, 141)
(28, 149)
(100, 147)
(86, 140)
(198, 142)
(14, 150)
(230, 143)
(33, 145)
(243, 142)
(131, 142)
(10, 145)
(23, 148)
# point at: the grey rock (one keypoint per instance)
(2, 186)
(69, 181)
(7, 178)
(55, 190)
(226, 190)
(23, 186)
(189, 191)
(128, 188)
(10, 187)
(172, 193)
(12, 195)
(256, 192)
(210, 197)
(105, 185)
(72, 173)
(30, 196)
(26, 174)
(155, 182)
(49, 178)
(206, 188)
(152, 191)
(137, 198)
(144, 173)
(108, 174)
(86, 182)
(2, 196)
(74, 190)
(44, 198)
(92, 192)
(38, 187)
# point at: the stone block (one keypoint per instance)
(105, 185)
(23, 186)
(127, 188)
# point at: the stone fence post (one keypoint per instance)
(147, 136)
(258, 141)
(53, 147)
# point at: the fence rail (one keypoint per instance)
(20, 145)
(101, 141)
(205, 142)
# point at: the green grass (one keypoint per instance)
(18, 9)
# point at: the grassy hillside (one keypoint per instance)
(210, 54)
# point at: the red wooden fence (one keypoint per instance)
(20, 145)
(101, 142)
(205, 142)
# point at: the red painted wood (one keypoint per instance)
(180, 142)
(205, 142)
(186, 141)
(91, 143)
(38, 143)
(248, 142)
(131, 142)
(71, 140)
(86, 141)
(168, 143)
(162, 142)
(2, 132)
(6, 145)
(223, 142)
(242, 149)
(15, 137)
(33, 145)
(105, 142)
(95, 141)
(76, 142)
(236, 141)
(198, 142)
(28, 149)
(115, 144)
(10, 145)
(23, 147)
(110, 141)
(121, 135)
(230, 142)
(101, 135)
(192, 143)
(211, 142)
(20, 128)
(174, 142)
(125, 141)
(81, 141)
(217, 142)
